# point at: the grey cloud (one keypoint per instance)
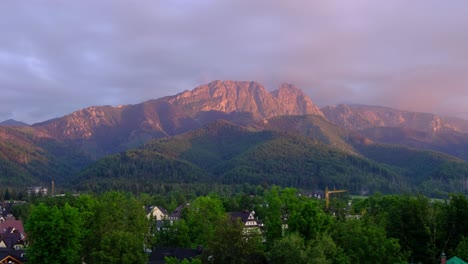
(403, 54)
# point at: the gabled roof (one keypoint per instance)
(11, 239)
(16, 256)
(178, 211)
(150, 209)
(456, 260)
(11, 224)
(243, 215)
(6, 208)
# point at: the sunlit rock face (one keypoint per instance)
(252, 97)
(360, 117)
(116, 128)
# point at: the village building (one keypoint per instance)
(251, 224)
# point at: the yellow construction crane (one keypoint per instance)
(327, 195)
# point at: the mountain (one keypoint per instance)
(105, 129)
(452, 143)
(416, 130)
(251, 97)
(12, 122)
(225, 153)
(230, 132)
(28, 158)
(360, 117)
(315, 127)
(428, 172)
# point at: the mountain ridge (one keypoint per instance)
(12, 122)
(64, 146)
(108, 129)
(359, 117)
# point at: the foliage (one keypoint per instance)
(365, 242)
(433, 173)
(273, 215)
(293, 248)
(69, 229)
(119, 227)
(309, 221)
(28, 159)
(54, 234)
(230, 244)
(414, 221)
(202, 216)
(224, 153)
(461, 250)
(174, 235)
(112, 228)
(173, 260)
(290, 249)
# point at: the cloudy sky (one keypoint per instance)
(60, 56)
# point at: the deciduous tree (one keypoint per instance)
(54, 235)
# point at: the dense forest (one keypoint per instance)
(305, 152)
(112, 227)
(228, 154)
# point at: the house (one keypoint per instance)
(37, 190)
(12, 240)
(156, 213)
(159, 214)
(251, 225)
(177, 214)
(11, 225)
(6, 210)
(9, 256)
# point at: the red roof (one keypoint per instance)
(10, 224)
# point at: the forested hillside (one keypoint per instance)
(225, 153)
(27, 158)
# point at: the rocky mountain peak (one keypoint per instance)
(295, 101)
(238, 101)
(81, 123)
(224, 96)
(244, 96)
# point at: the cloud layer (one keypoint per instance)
(57, 57)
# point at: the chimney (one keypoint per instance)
(443, 258)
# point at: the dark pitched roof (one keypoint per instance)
(159, 253)
(243, 215)
(12, 239)
(18, 255)
(178, 211)
(6, 208)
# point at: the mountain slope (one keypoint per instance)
(27, 158)
(223, 152)
(434, 173)
(314, 127)
(12, 122)
(359, 117)
(417, 130)
(452, 143)
(105, 129)
(226, 153)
